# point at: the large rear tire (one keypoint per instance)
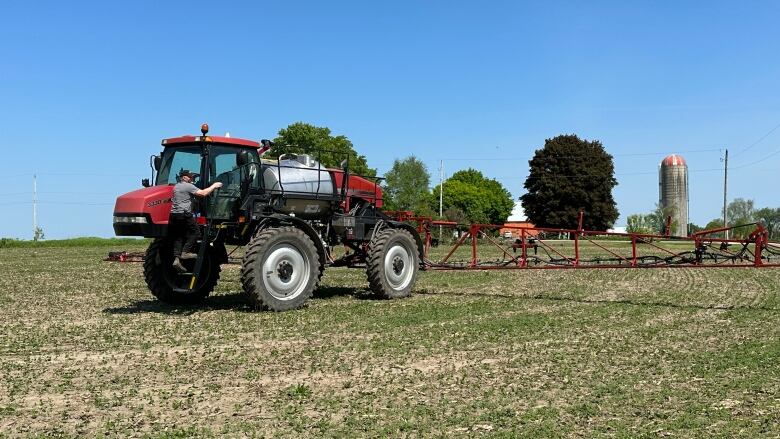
(392, 264)
(280, 269)
(163, 280)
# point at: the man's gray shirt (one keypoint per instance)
(183, 194)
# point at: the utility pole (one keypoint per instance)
(441, 192)
(35, 207)
(725, 188)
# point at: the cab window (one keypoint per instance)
(175, 160)
(224, 167)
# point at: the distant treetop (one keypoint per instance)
(301, 137)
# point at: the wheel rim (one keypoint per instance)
(399, 267)
(286, 272)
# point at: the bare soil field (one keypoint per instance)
(86, 351)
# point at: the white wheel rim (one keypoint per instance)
(399, 267)
(285, 272)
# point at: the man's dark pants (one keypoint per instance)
(184, 231)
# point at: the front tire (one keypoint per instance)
(280, 269)
(392, 264)
(163, 280)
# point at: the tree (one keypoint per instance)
(716, 223)
(38, 234)
(659, 217)
(741, 211)
(456, 215)
(653, 222)
(569, 174)
(640, 223)
(317, 141)
(694, 228)
(481, 199)
(771, 219)
(406, 187)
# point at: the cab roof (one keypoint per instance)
(230, 141)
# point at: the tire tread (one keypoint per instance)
(375, 264)
(251, 281)
(154, 277)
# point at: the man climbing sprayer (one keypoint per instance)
(181, 225)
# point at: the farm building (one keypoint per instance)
(516, 221)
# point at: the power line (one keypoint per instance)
(60, 193)
(76, 203)
(70, 174)
(76, 193)
(631, 154)
(81, 174)
(757, 141)
(618, 174)
(690, 151)
(757, 161)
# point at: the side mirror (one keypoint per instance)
(157, 162)
(242, 158)
(145, 182)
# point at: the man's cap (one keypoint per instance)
(188, 173)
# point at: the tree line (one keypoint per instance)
(743, 211)
(740, 212)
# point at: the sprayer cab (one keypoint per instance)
(145, 212)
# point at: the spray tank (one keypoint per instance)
(302, 180)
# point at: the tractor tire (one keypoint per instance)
(163, 280)
(280, 269)
(392, 264)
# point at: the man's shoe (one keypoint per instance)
(177, 265)
(188, 255)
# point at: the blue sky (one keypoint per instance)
(88, 90)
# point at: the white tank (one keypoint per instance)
(297, 174)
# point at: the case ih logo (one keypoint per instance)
(157, 202)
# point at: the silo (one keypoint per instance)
(673, 190)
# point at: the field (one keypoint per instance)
(85, 351)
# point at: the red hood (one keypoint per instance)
(155, 200)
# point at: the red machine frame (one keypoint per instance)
(703, 255)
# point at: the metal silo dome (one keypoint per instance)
(673, 160)
(673, 190)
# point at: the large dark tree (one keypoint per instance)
(482, 200)
(568, 175)
(406, 186)
(302, 137)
